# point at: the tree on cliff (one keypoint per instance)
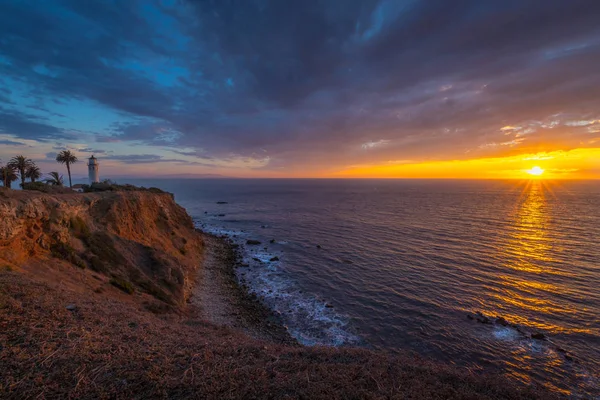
(54, 179)
(33, 172)
(21, 164)
(68, 158)
(8, 175)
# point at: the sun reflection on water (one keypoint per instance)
(527, 251)
(530, 241)
(529, 289)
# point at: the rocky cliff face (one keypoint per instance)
(139, 242)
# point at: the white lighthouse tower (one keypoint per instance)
(93, 173)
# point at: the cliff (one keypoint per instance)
(139, 242)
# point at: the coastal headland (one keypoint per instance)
(117, 295)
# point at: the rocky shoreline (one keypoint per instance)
(223, 301)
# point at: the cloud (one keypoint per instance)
(11, 142)
(91, 150)
(148, 159)
(137, 158)
(373, 145)
(27, 126)
(304, 85)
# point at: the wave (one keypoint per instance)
(309, 319)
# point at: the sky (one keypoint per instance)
(312, 88)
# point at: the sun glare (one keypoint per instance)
(535, 171)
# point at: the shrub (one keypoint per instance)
(123, 285)
(102, 245)
(64, 251)
(61, 250)
(109, 186)
(45, 188)
(79, 227)
(97, 264)
(98, 187)
(158, 308)
(78, 262)
(40, 186)
(156, 292)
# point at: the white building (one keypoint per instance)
(93, 172)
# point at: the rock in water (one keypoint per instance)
(274, 259)
(253, 242)
(221, 202)
(538, 336)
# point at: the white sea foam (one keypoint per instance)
(307, 317)
(220, 231)
(506, 333)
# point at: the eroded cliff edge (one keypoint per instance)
(138, 242)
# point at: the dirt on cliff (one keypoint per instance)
(139, 243)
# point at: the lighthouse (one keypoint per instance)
(93, 170)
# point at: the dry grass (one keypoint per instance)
(109, 348)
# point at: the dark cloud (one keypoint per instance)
(106, 139)
(149, 159)
(91, 150)
(45, 110)
(28, 126)
(11, 143)
(308, 83)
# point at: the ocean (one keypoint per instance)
(425, 266)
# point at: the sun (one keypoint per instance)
(535, 171)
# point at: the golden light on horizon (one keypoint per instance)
(582, 163)
(535, 171)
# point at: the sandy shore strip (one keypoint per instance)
(222, 301)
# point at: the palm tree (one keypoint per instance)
(68, 158)
(54, 179)
(8, 175)
(21, 164)
(33, 172)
